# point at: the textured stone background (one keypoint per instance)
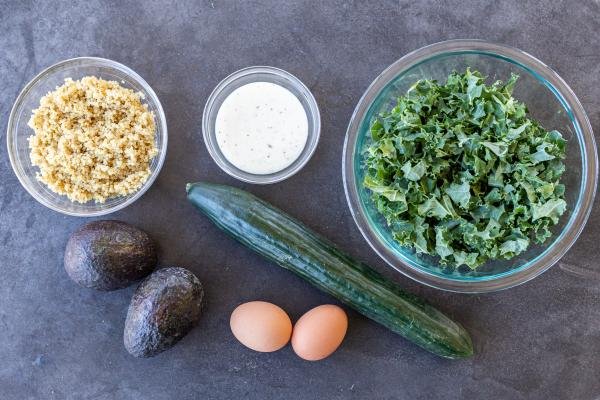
(59, 341)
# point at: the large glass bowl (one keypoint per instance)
(549, 100)
(29, 99)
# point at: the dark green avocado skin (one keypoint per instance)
(109, 255)
(163, 309)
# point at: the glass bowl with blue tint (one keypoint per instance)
(549, 100)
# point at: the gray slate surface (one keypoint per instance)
(59, 341)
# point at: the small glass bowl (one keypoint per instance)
(549, 100)
(18, 132)
(260, 74)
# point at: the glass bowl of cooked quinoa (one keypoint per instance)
(87, 136)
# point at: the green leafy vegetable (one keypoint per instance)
(460, 171)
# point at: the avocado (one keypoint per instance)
(163, 309)
(109, 255)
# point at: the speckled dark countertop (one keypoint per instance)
(58, 341)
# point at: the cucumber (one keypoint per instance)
(287, 242)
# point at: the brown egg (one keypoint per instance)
(261, 326)
(319, 332)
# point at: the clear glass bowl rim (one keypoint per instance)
(587, 144)
(219, 158)
(11, 143)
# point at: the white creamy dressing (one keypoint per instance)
(261, 128)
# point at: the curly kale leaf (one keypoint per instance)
(460, 171)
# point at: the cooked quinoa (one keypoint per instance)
(94, 140)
